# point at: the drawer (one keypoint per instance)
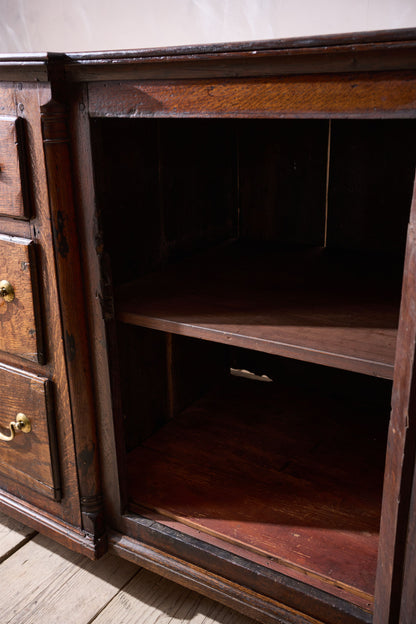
(30, 458)
(19, 310)
(13, 183)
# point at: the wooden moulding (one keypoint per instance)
(254, 591)
(51, 526)
(247, 602)
(335, 53)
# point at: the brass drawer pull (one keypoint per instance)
(22, 423)
(6, 290)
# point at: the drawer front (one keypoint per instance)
(13, 186)
(29, 458)
(19, 311)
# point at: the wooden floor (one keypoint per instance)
(41, 581)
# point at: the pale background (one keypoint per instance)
(78, 25)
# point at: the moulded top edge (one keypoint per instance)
(374, 50)
(377, 36)
(28, 66)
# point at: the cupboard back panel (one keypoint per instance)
(173, 185)
(162, 374)
(282, 180)
(179, 186)
(371, 173)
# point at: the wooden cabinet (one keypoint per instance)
(226, 260)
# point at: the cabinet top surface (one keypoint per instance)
(362, 51)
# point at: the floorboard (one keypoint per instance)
(41, 581)
(57, 582)
(159, 600)
(13, 535)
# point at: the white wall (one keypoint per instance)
(77, 25)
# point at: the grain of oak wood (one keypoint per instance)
(321, 96)
(20, 317)
(30, 458)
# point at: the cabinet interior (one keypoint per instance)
(255, 267)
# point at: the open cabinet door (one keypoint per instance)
(396, 518)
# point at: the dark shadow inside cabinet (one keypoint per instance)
(255, 267)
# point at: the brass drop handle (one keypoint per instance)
(6, 290)
(22, 423)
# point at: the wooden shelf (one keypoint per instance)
(333, 308)
(287, 478)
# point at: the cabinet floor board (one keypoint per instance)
(277, 474)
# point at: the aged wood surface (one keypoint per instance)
(30, 458)
(13, 196)
(96, 284)
(244, 595)
(14, 227)
(12, 536)
(334, 53)
(20, 320)
(155, 599)
(276, 302)
(50, 525)
(319, 96)
(27, 67)
(73, 315)
(408, 598)
(400, 457)
(380, 39)
(272, 472)
(62, 586)
(28, 101)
